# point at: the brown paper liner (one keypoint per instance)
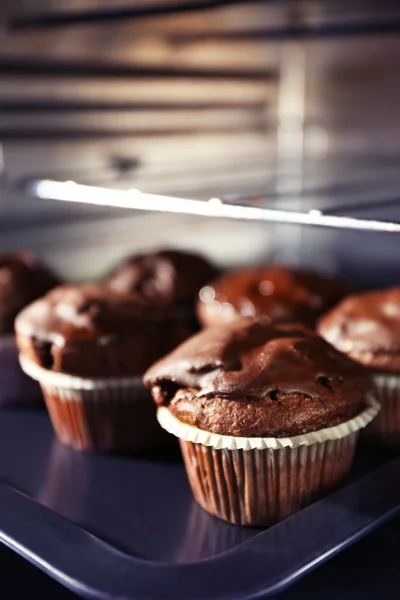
(104, 415)
(260, 481)
(262, 487)
(115, 419)
(384, 431)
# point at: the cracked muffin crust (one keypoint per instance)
(256, 379)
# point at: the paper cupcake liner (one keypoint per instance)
(260, 481)
(384, 431)
(192, 434)
(262, 487)
(16, 388)
(72, 382)
(104, 415)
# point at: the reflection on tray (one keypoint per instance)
(66, 482)
(206, 536)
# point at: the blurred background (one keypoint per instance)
(293, 103)
(290, 104)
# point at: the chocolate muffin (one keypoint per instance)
(366, 327)
(167, 277)
(275, 291)
(23, 278)
(258, 404)
(88, 346)
(164, 277)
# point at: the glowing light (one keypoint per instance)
(266, 288)
(207, 294)
(69, 191)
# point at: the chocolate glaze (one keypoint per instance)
(92, 331)
(23, 278)
(366, 326)
(167, 276)
(251, 378)
(276, 292)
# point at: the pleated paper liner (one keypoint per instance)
(260, 481)
(103, 415)
(384, 431)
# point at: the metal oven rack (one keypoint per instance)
(69, 191)
(292, 24)
(96, 524)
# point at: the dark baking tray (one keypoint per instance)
(127, 528)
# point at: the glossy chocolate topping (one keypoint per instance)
(250, 378)
(367, 327)
(92, 331)
(23, 278)
(276, 292)
(166, 277)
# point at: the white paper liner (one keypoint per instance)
(192, 434)
(71, 382)
(387, 381)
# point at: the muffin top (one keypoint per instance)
(256, 379)
(23, 278)
(166, 277)
(276, 292)
(91, 331)
(366, 326)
